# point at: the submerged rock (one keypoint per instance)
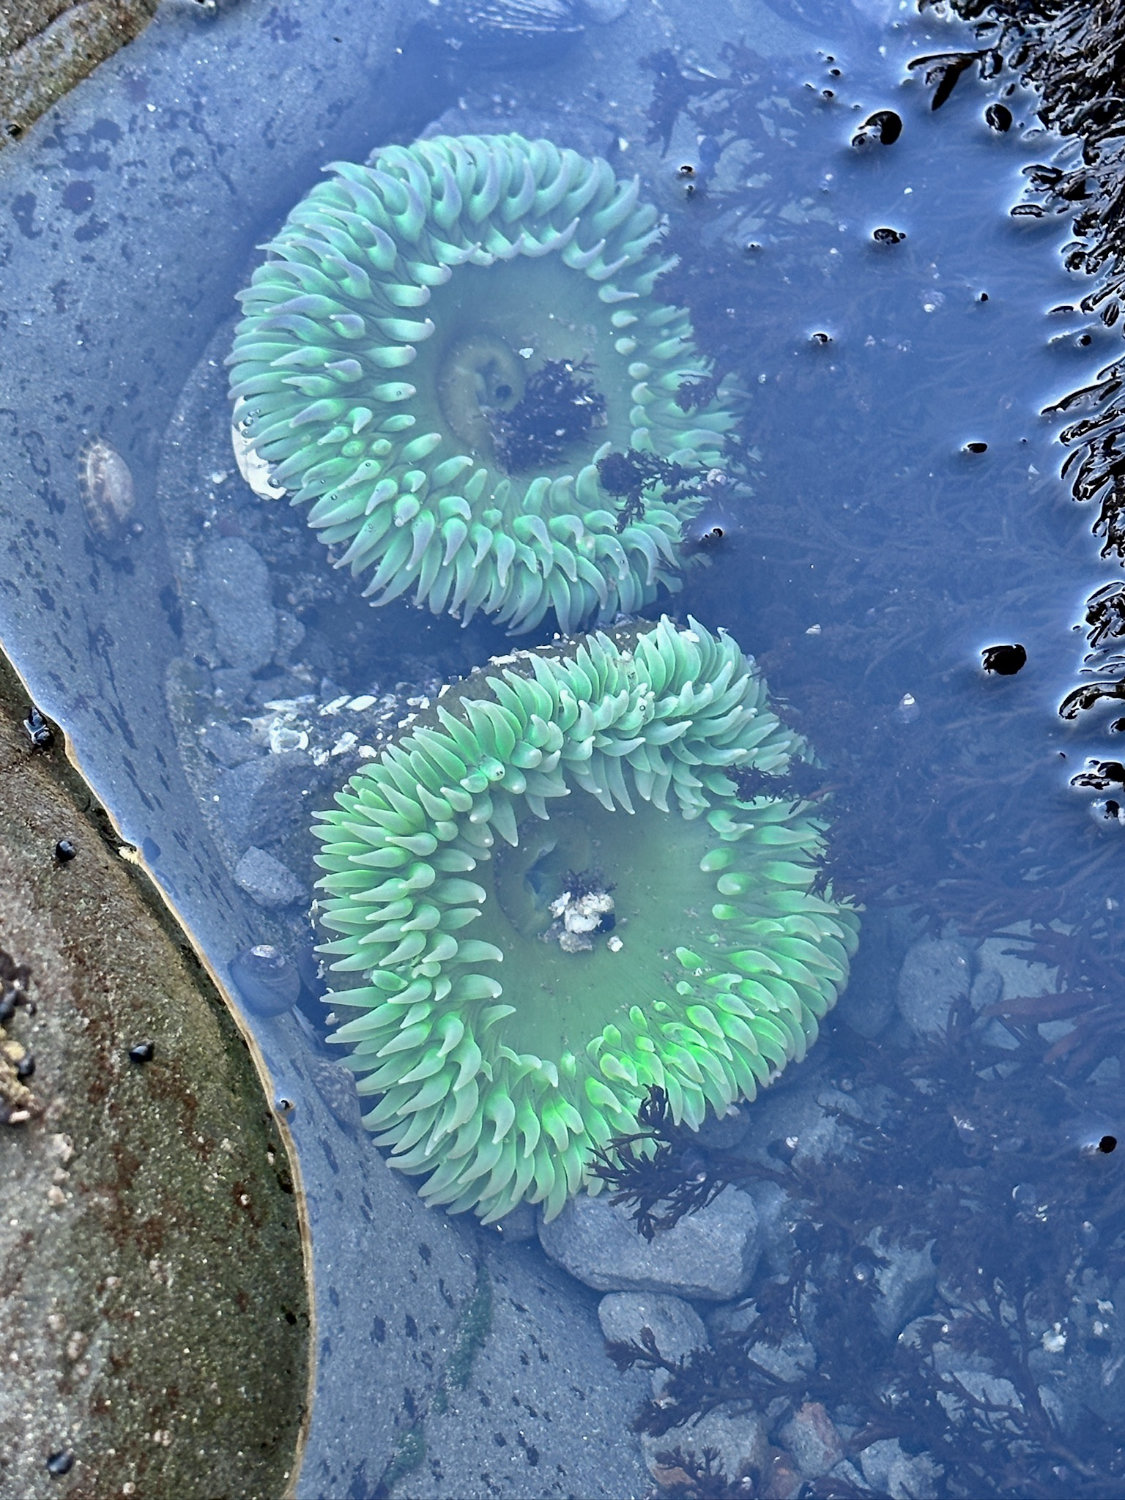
(710, 1255)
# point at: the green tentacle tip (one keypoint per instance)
(573, 929)
(452, 304)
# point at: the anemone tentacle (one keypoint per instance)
(551, 898)
(401, 360)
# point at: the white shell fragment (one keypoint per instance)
(251, 465)
(576, 917)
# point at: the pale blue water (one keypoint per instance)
(868, 557)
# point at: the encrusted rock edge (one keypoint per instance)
(155, 1326)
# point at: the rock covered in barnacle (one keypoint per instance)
(576, 917)
(106, 485)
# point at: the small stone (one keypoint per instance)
(60, 1462)
(935, 977)
(812, 1440)
(903, 1285)
(266, 880)
(143, 1052)
(263, 793)
(228, 746)
(901, 1476)
(674, 1324)
(64, 851)
(737, 1440)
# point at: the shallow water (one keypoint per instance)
(867, 558)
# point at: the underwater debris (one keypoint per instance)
(578, 917)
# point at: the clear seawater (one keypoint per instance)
(869, 553)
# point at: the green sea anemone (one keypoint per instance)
(550, 898)
(440, 347)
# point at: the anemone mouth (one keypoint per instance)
(439, 349)
(555, 901)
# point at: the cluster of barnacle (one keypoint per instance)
(17, 1102)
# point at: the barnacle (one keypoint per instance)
(437, 351)
(500, 1056)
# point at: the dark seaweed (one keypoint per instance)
(632, 476)
(945, 69)
(660, 1164)
(560, 407)
(692, 1476)
(957, 1135)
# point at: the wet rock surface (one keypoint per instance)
(935, 976)
(527, 1398)
(150, 1234)
(235, 589)
(45, 48)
